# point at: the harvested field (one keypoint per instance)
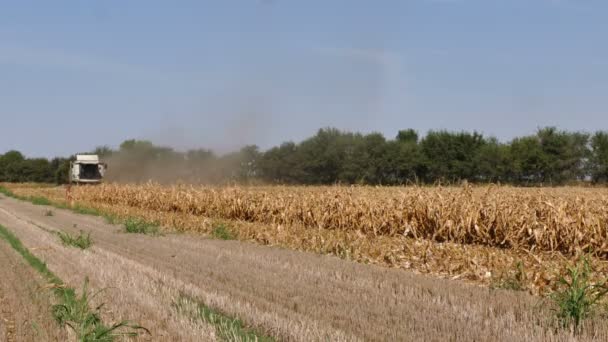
(290, 295)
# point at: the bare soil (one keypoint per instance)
(293, 296)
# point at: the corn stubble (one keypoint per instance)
(475, 233)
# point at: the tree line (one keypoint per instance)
(548, 157)
(16, 168)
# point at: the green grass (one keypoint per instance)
(222, 232)
(86, 211)
(6, 192)
(139, 226)
(81, 241)
(227, 328)
(73, 311)
(39, 200)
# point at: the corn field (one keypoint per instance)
(469, 232)
(561, 219)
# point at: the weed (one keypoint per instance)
(222, 232)
(75, 312)
(81, 241)
(515, 280)
(227, 328)
(139, 226)
(49, 213)
(86, 211)
(40, 201)
(576, 295)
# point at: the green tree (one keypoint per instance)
(564, 155)
(407, 136)
(450, 156)
(282, 164)
(61, 167)
(36, 170)
(599, 157)
(249, 157)
(529, 161)
(404, 159)
(494, 162)
(322, 156)
(11, 166)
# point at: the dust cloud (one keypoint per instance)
(266, 99)
(147, 163)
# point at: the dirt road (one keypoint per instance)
(289, 295)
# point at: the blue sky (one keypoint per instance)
(220, 74)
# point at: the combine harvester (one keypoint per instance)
(87, 169)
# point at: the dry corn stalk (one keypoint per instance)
(566, 220)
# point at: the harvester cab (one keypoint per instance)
(87, 169)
